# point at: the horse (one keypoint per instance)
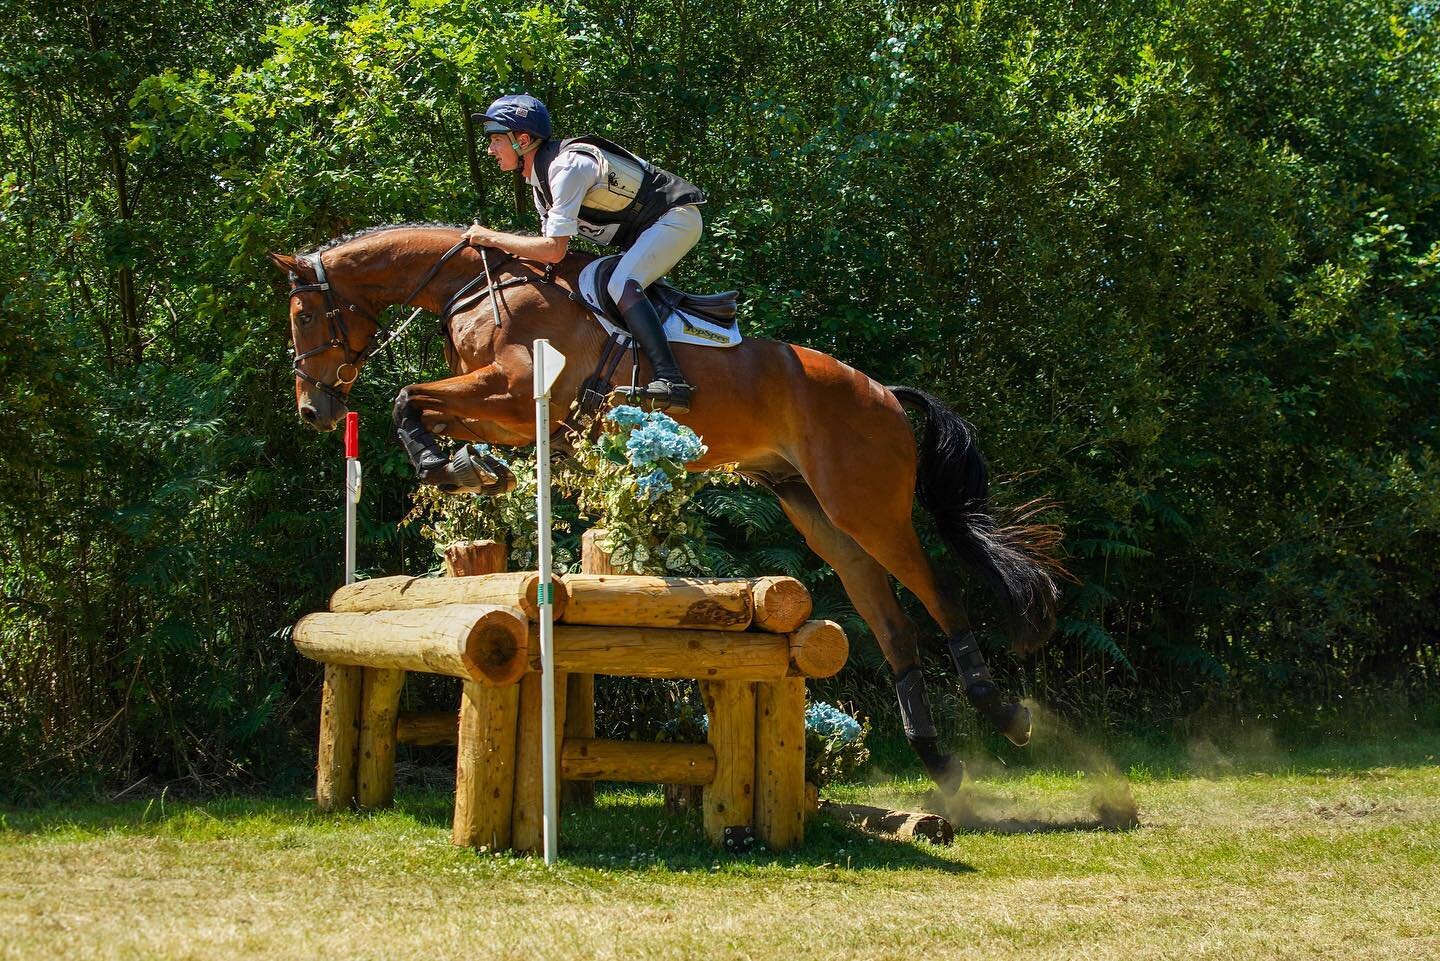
(836, 447)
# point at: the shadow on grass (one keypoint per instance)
(627, 830)
(630, 829)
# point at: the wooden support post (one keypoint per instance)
(730, 798)
(780, 762)
(580, 688)
(486, 732)
(466, 558)
(579, 725)
(339, 733)
(379, 709)
(485, 766)
(528, 832)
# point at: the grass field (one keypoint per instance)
(1330, 852)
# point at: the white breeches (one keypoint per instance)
(657, 249)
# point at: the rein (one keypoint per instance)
(340, 332)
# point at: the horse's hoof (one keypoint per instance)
(1018, 731)
(946, 770)
(1009, 718)
(471, 472)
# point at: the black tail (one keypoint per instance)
(1015, 560)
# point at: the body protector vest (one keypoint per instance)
(631, 194)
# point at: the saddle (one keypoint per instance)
(705, 319)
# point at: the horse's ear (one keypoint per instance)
(284, 262)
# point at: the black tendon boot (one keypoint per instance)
(1010, 718)
(668, 391)
(946, 770)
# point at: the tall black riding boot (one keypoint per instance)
(668, 391)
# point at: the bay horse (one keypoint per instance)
(835, 446)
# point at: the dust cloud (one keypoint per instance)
(1106, 802)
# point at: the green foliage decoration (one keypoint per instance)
(511, 517)
(633, 483)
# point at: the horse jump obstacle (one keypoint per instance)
(749, 643)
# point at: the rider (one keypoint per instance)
(603, 192)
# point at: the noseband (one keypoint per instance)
(340, 332)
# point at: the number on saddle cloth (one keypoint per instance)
(707, 320)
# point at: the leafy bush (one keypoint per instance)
(633, 484)
(834, 744)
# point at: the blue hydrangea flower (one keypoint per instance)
(653, 484)
(827, 720)
(626, 416)
(660, 438)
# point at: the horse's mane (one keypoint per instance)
(357, 234)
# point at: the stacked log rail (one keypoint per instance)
(750, 643)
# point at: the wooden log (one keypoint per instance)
(900, 824)
(630, 600)
(781, 604)
(780, 762)
(645, 762)
(730, 798)
(580, 694)
(379, 707)
(593, 558)
(471, 641)
(485, 766)
(527, 831)
(466, 558)
(487, 729)
(579, 726)
(667, 653)
(339, 735)
(818, 649)
(519, 590)
(427, 728)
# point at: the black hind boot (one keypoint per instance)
(668, 391)
(1010, 718)
(946, 770)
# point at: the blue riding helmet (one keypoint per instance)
(516, 113)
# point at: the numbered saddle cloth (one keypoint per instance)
(707, 320)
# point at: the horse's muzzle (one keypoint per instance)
(319, 411)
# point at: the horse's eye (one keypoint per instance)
(304, 319)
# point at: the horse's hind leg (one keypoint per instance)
(868, 586)
(875, 510)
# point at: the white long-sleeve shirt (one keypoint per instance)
(572, 175)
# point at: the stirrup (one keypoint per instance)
(670, 397)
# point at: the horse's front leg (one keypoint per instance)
(480, 405)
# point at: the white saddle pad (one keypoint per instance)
(680, 327)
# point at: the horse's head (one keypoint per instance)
(333, 337)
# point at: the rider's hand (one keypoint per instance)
(476, 235)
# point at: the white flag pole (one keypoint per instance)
(548, 363)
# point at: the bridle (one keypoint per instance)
(347, 372)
